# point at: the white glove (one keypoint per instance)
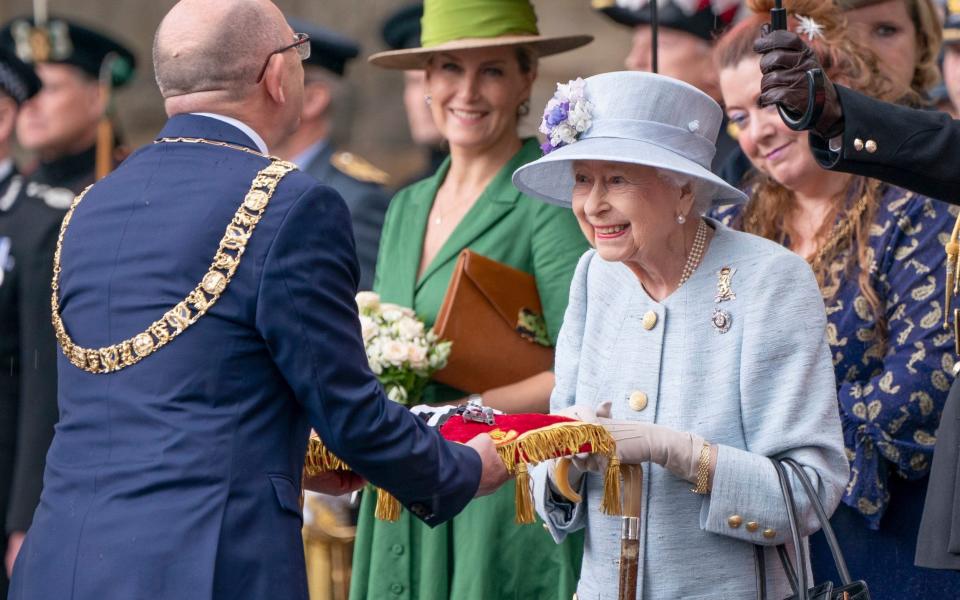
(582, 412)
(639, 442)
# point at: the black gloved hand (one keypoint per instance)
(784, 62)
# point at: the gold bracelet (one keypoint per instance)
(703, 471)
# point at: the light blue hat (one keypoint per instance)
(628, 117)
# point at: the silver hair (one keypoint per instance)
(702, 199)
(226, 62)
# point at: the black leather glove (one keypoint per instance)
(784, 62)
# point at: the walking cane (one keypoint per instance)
(630, 530)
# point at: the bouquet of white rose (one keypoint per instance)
(401, 352)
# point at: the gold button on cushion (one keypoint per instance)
(858, 144)
(649, 320)
(871, 146)
(638, 401)
(769, 533)
(734, 521)
(752, 526)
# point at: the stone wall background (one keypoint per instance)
(379, 130)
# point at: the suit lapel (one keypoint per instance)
(494, 204)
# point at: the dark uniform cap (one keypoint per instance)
(704, 23)
(65, 42)
(401, 30)
(951, 25)
(328, 49)
(17, 78)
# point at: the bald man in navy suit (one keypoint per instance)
(205, 306)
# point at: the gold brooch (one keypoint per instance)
(724, 291)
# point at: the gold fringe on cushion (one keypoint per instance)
(610, 504)
(532, 447)
(320, 460)
(523, 497)
(388, 507)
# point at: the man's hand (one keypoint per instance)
(334, 483)
(784, 62)
(13, 549)
(494, 474)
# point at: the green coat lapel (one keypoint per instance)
(494, 203)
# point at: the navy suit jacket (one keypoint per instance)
(179, 477)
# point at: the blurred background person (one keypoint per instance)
(60, 125)
(876, 252)
(951, 55)
(905, 35)
(480, 61)
(18, 83)
(401, 31)
(685, 52)
(313, 146)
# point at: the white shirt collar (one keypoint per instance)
(6, 167)
(253, 135)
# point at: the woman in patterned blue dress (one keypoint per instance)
(877, 252)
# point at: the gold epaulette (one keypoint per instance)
(359, 168)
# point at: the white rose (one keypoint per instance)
(394, 352)
(410, 328)
(368, 301)
(368, 328)
(397, 394)
(417, 355)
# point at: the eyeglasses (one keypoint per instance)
(303, 51)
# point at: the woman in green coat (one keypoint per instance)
(478, 89)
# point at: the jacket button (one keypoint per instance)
(858, 144)
(397, 549)
(871, 146)
(638, 401)
(649, 320)
(734, 521)
(396, 588)
(752, 526)
(769, 533)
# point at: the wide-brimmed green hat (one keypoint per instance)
(450, 25)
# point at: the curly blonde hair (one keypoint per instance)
(843, 237)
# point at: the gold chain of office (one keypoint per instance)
(198, 302)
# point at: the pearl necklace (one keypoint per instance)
(696, 253)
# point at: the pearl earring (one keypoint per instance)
(681, 219)
(428, 99)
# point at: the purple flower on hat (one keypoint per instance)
(566, 116)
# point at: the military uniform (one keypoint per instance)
(19, 83)
(30, 221)
(359, 183)
(362, 187)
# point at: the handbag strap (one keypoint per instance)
(824, 519)
(761, 567)
(802, 591)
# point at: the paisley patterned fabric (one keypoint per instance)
(891, 388)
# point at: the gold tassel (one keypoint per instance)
(610, 504)
(320, 460)
(523, 496)
(953, 252)
(388, 507)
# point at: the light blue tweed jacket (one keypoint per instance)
(763, 388)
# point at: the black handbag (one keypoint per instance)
(797, 574)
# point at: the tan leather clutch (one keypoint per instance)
(493, 316)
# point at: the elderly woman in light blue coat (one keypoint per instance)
(706, 346)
